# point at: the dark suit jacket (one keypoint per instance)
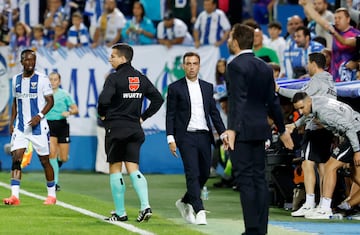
(251, 98)
(178, 110)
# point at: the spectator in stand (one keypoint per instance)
(212, 27)
(187, 11)
(77, 6)
(55, 14)
(59, 38)
(78, 34)
(173, 31)
(220, 71)
(109, 26)
(341, 54)
(139, 30)
(11, 12)
(21, 35)
(4, 31)
(307, 46)
(291, 49)
(38, 38)
(321, 6)
(277, 42)
(93, 10)
(262, 52)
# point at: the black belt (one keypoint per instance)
(199, 131)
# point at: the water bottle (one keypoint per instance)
(205, 193)
(337, 216)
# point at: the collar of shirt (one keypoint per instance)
(245, 51)
(189, 82)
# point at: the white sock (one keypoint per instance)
(51, 191)
(15, 190)
(326, 203)
(310, 200)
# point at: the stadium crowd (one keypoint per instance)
(94, 23)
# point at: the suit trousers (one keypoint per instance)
(248, 161)
(195, 150)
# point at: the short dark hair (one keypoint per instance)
(26, 51)
(124, 50)
(190, 53)
(275, 24)
(318, 58)
(305, 30)
(244, 35)
(301, 95)
(320, 40)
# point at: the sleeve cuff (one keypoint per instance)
(170, 139)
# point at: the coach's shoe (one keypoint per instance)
(302, 211)
(181, 207)
(115, 217)
(144, 215)
(50, 200)
(11, 201)
(201, 218)
(319, 213)
(189, 214)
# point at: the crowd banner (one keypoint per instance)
(83, 72)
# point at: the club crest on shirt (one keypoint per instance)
(33, 85)
(134, 83)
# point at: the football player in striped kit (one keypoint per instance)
(33, 98)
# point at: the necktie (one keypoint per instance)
(207, 30)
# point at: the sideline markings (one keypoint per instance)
(83, 211)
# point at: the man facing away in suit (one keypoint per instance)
(251, 100)
(190, 107)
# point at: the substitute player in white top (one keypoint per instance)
(33, 98)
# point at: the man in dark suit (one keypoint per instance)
(190, 106)
(251, 100)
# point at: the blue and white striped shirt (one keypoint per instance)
(30, 95)
(219, 24)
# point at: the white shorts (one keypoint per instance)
(20, 140)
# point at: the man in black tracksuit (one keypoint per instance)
(119, 106)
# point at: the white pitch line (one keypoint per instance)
(126, 226)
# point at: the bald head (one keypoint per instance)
(293, 23)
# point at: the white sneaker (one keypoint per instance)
(201, 218)
(302, 211)
(189, 214)
(181, 207)
(319, 213)
(344, 205)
